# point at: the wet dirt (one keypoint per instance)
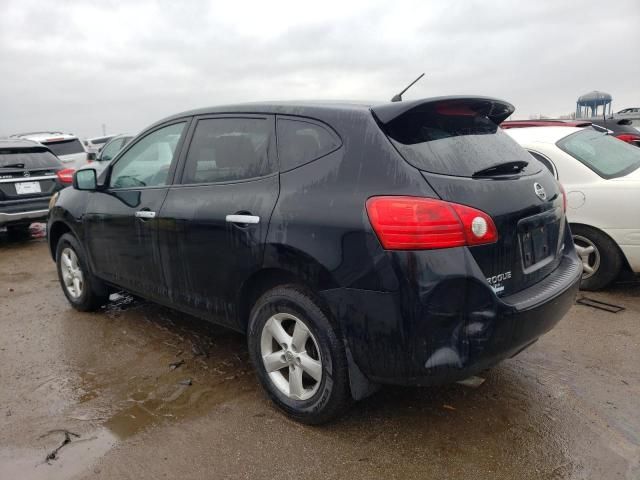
(568, 407)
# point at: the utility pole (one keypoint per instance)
(104, 129)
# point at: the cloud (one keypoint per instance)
(75, 65)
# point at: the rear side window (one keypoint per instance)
(453, 143)
(28, 158)
(300, 142)
(65, 147)
(229, 149)
(602, 153)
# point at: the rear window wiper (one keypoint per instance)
(506, 168)
(13, 165)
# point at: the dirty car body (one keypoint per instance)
(328, 206)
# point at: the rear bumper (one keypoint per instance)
(23, 217)
(453, 327)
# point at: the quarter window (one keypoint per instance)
(228, 149)
(300, 142)
(147, 163)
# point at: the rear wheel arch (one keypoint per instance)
(266, 279)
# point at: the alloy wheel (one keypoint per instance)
(72, 275)
(291, 356)
(589, 254)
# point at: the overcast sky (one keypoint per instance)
(74, 66)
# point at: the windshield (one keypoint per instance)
(602, 153)
(458, 145)
(66, 147)
(30, 158)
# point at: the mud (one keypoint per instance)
(566, 408)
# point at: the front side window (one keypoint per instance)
(300, 142)
(147, 163)
(110, 149)
(602, 153)
(229, 149)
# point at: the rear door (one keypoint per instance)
(467, 159)
(121, 221)
(213, 225)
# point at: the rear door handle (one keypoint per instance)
(145, 214)
(243, 219)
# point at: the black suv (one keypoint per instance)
(356, 245)
(29, 175)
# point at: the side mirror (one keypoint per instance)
(85, 179)
(91, 156)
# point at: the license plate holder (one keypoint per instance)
(26, 188)
(535, 245)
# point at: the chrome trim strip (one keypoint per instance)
(4, 217)
(26, 179)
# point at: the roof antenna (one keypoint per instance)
(398, 97)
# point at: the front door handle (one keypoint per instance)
(243, 219)
(145, 214)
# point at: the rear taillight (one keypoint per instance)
(564, 198)
(416, 223)
(629, 138)
(65, 176)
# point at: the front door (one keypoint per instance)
(121, 221)
(214, 223)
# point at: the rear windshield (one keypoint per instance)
(458, 145)
(602, 153)
(66, 147)
(30, 158)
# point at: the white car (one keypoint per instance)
(601, 177)
(94, 145)
(68, 148)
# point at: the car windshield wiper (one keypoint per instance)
(506, 168)
(13, 165)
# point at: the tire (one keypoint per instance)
(92, 293)
(604, 259)
(323, 396)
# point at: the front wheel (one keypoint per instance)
(84, 291)
(601, 258)
(298, 358)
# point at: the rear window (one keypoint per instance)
(30, 158)
(66, 147)
(457, 145)
(602, 153)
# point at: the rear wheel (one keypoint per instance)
(298, 358)
(84, 291)
(601, 258)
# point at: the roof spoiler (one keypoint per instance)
(496, 110)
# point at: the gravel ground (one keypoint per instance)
(139, 391)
